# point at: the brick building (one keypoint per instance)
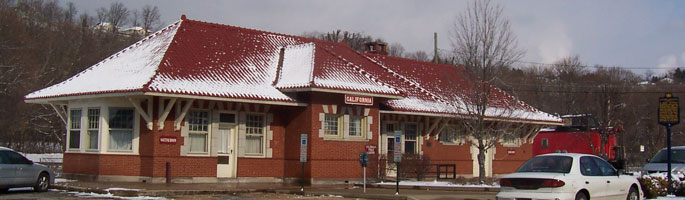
(205, 102)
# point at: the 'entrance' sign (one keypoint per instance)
(358, 100)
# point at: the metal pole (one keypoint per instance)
(397, 186)
(668, 141)
(364, 179)
(302, 183)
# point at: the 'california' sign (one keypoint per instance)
(358, 100)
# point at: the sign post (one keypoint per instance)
(303, 156)
(364, 161)
(397, 151)
(669, 115)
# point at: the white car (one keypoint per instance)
(560, 176)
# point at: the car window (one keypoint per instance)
(3, 158)
(588, 167)
(677, 156)
(557, 164)
(16, 158)
(606, 168)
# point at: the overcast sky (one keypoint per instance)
(630, 34)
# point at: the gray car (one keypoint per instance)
(18, 171)
(659, 162)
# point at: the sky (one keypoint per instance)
(634, 34)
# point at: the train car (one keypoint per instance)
(579, 134)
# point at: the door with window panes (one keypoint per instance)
(226, 144)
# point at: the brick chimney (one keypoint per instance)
(377, 48)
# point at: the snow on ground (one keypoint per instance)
(21, 189)
(45, 157)
(121, 189)
(436, 183)
(61, 180)
(108, 195)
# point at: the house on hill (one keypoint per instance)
(205, 102)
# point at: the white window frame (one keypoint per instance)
(96, 129)
(109, 130)
(362, 127)
(206, 133)
(339, 126)
(71, 128)
(510, 140)
(263, 135)
(458, 137)
(405, 139)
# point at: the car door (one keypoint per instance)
(24, 168)
(7, 170)
(615, 186)
(595, 183)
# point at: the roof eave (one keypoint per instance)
(338, 91)
(435, 114)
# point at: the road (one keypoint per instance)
(412, 194)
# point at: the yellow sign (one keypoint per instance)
(669, 110)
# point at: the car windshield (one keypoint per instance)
(677, 156)
(556, 164)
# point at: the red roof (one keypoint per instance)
(205, 59)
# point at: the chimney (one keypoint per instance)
(435, 54)
(377, 48)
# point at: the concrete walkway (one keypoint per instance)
(347, 191)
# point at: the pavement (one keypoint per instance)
(131, 189)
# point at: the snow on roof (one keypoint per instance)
(127, 70)
(297, 69)
(205, 59)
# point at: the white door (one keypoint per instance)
(226, 153)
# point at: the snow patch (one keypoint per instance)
(436, 184)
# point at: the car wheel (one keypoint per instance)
(42, 183)
(633, 194)
(581, 196)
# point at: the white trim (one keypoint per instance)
(165, 113)
(147, 116)
(182, 114)
(61, 113)
(225, 99)
(76, 97)
(341, 92)
(462, 117)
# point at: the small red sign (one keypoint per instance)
(371, 149)
(358, 100)
(167, 140)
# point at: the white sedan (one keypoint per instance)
(560, 176)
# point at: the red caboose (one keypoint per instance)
(580, 134)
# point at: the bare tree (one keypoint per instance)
(102, 15)
(117, 15)
(150, 17)
(135, 18)
(396, 49)
(485, 44)
(418, 55)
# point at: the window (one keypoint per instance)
(544, 143)
(451, 135)
(557, 164)
(198, 129)
(254, 134)
(410, 132)
(121, 128)
(93, 127)
(16, 158)
(588, 167)
(75, 129)
(509, 139)
(606, 168)
(331, 125)
(227, 118)
(356, 126)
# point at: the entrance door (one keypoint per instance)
(227, 159)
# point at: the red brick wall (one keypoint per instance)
(336, 159)
(459, 155)
(506, 163)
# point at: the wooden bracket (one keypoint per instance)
(182, 114)
(147, 116)
(61, 113)
(165, 113)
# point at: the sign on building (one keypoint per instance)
(358, 100)
(303, 148)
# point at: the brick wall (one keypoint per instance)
(440, 153)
